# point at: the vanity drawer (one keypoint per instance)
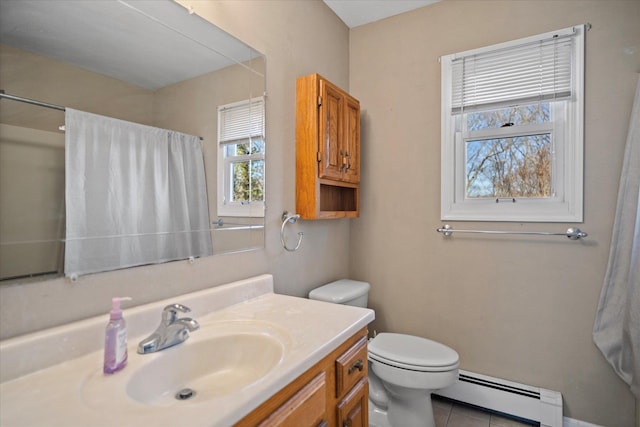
(351, 366)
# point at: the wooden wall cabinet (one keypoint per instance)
(327, 150)
(333, 393)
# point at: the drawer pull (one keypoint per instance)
(358, 365)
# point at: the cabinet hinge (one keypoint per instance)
(319, 100)
(319, 156)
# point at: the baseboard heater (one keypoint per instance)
(518, 400)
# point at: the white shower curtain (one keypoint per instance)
(135, 195)
(617, 327)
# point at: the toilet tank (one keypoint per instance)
(344, 291)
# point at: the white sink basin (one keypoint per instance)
(220, 359)
(217, 366)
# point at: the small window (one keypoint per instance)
(241, 160)
(512, 130)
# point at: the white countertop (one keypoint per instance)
(56, 395)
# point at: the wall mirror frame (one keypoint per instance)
(154, 63)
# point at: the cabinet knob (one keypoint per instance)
(358, 365)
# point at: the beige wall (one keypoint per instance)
(520, 308)
(298, 38)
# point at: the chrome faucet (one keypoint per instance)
(171, 331)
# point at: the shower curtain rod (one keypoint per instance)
(30, 101)
(571, 233)
(39, 103)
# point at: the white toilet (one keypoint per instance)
(403, 369)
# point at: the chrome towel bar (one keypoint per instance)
(571, 233)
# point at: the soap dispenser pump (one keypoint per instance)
(115, 339)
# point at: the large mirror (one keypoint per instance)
(148, 62)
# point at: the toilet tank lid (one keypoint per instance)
(340, 291)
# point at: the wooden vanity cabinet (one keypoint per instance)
(333, 393)
(327, 150)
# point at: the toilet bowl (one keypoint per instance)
(409, 368)
(403, 369)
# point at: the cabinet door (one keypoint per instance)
(330, 147)
(352, 140)
(305, 408)
(353, 409)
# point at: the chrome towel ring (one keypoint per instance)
(288, 218)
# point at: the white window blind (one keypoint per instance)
(533, 70)
(241, 121)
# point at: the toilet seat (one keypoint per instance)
(413, 353)
(416, 368)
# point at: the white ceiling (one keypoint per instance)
(148, 43)
(359, 12)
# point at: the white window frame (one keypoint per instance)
(254, 129)
(566, 128)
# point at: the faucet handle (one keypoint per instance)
(170, 312)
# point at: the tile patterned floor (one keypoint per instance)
(448, 414)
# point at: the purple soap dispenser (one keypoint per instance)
(115, 339)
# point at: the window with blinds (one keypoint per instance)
(241, 159)
(512, 130)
